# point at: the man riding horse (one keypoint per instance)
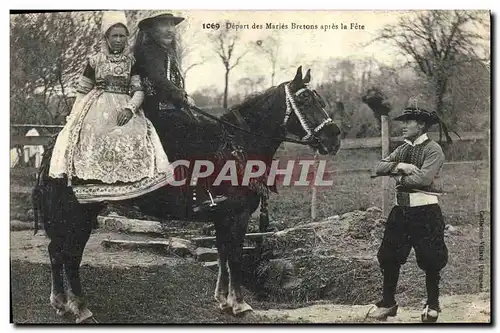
(158, 66)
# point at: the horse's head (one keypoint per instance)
(306, 117)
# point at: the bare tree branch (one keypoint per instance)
(237, 61)
(224, 45)
(437, 41)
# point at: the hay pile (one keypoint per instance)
(334, 259)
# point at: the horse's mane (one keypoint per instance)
(249, 108)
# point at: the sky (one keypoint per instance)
(307, 47)
(300, 46)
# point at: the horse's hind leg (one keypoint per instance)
(76, 299)
(238, 229)
(222, 287)
(58, 297)
(75, 245)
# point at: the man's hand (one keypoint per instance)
(124, 116)
(406, 168)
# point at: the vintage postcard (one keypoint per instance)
(250, 167)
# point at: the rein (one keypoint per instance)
(290, 106)
(281, 139)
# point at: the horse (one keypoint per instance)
(253, 129)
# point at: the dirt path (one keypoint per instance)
(24, 246)
(474, 308)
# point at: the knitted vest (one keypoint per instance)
(412, 154)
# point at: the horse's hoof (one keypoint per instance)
(225, 307)
(58, 303)
(241, 308)
(61, 313)
(84, 316)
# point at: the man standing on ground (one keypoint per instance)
(416, 220)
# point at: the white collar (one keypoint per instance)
(418, 141)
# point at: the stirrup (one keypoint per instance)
(209, 204)
(212, 202)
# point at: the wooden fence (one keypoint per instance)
(384, 142)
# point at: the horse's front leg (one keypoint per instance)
(222, 287)
(238, 230)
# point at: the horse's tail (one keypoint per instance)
(264, 214)
(37, 195)
(36, 198)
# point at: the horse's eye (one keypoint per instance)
(304, 97)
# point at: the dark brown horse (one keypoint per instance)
(289, 108)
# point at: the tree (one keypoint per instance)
(270, 47)
(251, 85)
(469, 95)
(48, 51)
(224, 42)
(437, 42)
(188, 41)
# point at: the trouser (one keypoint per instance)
(422, 228)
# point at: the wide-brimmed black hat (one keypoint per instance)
(411, 113)
(162, 16)
(429, 117)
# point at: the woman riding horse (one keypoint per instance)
(108, 149)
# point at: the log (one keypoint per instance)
(249, 236)
(161, 247)
(122, 224)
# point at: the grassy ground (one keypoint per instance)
(181, 294)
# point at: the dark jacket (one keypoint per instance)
(162, 91)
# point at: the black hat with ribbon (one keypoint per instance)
(160, 16)
(429, 117)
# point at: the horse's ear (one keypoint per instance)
(298, 75)
(307, 78)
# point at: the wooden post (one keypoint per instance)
(38, 158)
(384, 129)
(26, 159)
(314, 212)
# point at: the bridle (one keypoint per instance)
(290, 106)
